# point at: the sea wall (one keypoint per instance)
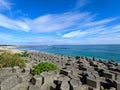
(75, 73)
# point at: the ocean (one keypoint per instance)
(104, 52)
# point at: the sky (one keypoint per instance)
(59, 22)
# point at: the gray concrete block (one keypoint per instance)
(16, 69)
(109, 75)
(48, 77)
(93, 82)
(24, 77)
(33, 87)
(84, 87)
(62, 78)
(47, 86)
(37, 80)
(8, 82)
(65, 86)
(75, 84)
(21, 86)
(26, 70)
(65, 72)
(6, 71)
(118, 85)
(112, 88)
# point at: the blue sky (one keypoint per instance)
(66, 22)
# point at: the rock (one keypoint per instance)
(45, 87)
(6, 71)
(33, 87)
(8, 82)
(112, 88)
(118, 85)
(77, 57)
(21, 86)
(93, 82)
(16, 69)
(23, 77)
(84, 87)
(65, 86)
(101, 87)
(109, 75)
(65, 71)
(75, 84)
(112, 62)
(26, 70)
(48, 77)
(37, 80)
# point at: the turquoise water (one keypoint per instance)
(106, 52)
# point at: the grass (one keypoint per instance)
(23, 54)
(8, 59)
(43, 66)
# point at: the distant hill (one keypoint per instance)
(6, 45)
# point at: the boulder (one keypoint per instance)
(92, 82)
(109, 75)
(65, 86)
(37, 80)
(75, 84)
(65, 71)
(23, 77)
(8, 82)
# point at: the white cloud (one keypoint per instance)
(46, 23)
(95, 23)
(87, 32)
(59, 34)
(55, 41)
(76, 23)
(96, 35)
(57, 22)
(74, 34)
(103, 40)
(13, 24)
(67, 21)
(71, 41)
(81, 3)
(117, 27)
(5, 36)
(111, 30)
(5, 5)
(52, 22)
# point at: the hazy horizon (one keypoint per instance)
(51, 44)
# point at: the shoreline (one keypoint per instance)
(106, 60)
(105, 53)
(74, 73)
(15, 49)
(11, 48)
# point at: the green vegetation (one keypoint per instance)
(43, 66)
(23, 54)
(1, 50)
(8, 59)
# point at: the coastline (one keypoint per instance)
(103, 52)
(74, 73)
(15, 49)
(11, 48)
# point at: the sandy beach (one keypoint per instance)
(11, 48)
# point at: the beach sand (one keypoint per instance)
(11, 48)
